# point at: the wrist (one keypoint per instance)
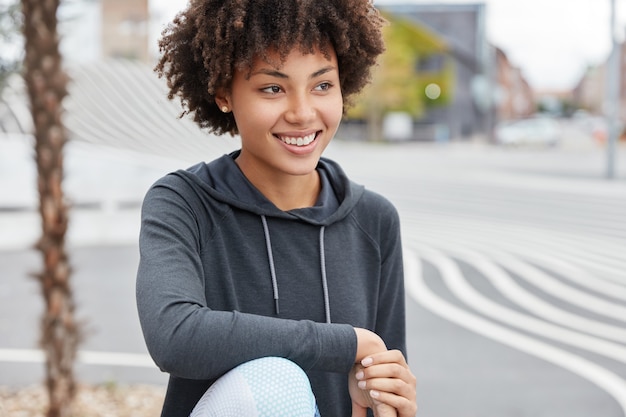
(368, 343)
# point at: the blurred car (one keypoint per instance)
(594, 126)
(536, 131)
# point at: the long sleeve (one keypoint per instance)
(391, 320)
(185, 337)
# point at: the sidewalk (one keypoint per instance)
(105, 186)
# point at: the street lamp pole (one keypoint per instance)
(613, 94)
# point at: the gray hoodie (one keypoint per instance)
(226, 277)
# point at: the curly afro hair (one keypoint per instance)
(209, 40)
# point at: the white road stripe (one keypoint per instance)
(455, 280)
(85, 357)
(576, 275)
(603, 378)
(540, 279)
(544, 281)
(507, 286)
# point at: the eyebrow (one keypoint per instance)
(278, 74)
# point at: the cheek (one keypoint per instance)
(334, 113)
(253, 119)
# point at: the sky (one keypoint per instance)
(552, 41)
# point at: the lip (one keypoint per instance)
(301, 146)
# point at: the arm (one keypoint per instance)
(384, 375)
(184, 336)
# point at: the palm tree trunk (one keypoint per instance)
(47, 86)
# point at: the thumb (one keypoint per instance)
(358, 411)
(384, 410)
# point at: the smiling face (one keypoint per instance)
(286, 115)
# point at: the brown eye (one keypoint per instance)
(323, 86)
(272, 89)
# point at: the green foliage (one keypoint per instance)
(399, 82)
(443, 78)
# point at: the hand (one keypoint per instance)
(387, 380)
(368, 343)
(362, 400)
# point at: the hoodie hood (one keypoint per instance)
(225, 182)
(223, 179)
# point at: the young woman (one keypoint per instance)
(272, 253)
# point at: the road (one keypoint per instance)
(515, 272)
(516, 275)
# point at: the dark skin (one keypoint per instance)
(211, 54)
(212, 39)
(301, 98)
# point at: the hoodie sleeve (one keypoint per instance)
(391, 315)
(187, 339)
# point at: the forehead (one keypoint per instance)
(276, 60)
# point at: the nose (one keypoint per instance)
(301, 109)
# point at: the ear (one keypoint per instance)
(222, 99)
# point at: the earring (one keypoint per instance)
(224, 109)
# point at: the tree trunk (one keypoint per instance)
(46, 82)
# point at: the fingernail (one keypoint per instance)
(367, 361)
(362, 384)
(374, 394)
(360, 375)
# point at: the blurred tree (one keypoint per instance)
(46, 83)
(415, 58)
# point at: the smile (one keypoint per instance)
(298, 141)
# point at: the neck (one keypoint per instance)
(287, 192)
(298, 194)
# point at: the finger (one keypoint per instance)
(405, 407)
(359, 397)
(391, 371)
(384, 410)
(389, 356)
(389, 385)
(358, 411)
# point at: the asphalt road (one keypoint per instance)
(515, 271)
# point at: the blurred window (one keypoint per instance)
(431, 63)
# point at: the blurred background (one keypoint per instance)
(496, 127)
(454, 71)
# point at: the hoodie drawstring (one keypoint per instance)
(324, 281)
(270, 257)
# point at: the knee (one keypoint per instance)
(279, 387)
(273, 371)
(265, 387)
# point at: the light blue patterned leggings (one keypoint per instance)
(266, 387)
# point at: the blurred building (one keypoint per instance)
(125, 25)
(462, 26)
(101, 29)
(590, 93)
(514, 96)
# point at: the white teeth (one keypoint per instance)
(298, 141)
